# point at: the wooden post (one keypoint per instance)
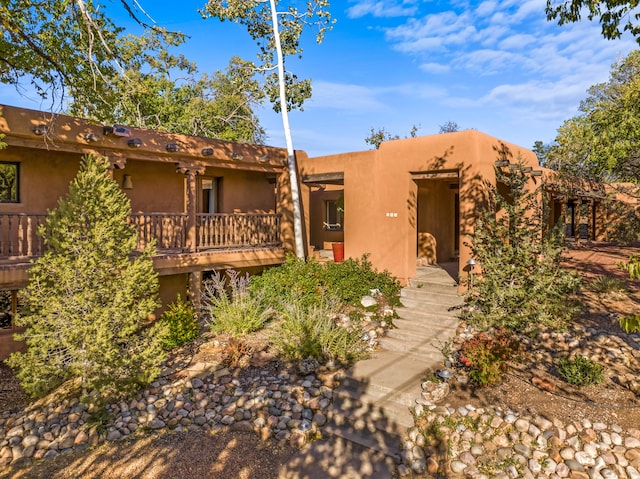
(576, 222)
(191, 208)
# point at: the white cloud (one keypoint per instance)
(437, 68)
(346, 97)
(381, 9)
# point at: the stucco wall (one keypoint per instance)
(382, 195)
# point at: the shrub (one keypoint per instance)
(309, 283)
(314, 333)
(631, 323)
(181, 324)
(352, 279)
(607, 285)
(522, 285)
(233, 311)
(88, 300)
(580, 371)
(296, 280)
(486, 355)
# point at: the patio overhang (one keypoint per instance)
(336, 178)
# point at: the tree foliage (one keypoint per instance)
(378, 136)
(166, 92)
(449, 127)
(256, 17)
(278, 33)
(62, 46)
(87, 301)
(521, 285)
(614, 16)
(603, 141)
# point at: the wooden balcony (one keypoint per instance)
(19, 239)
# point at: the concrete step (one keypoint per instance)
(383, 442)
(368, 412)
(413, 336)
(426, 317)
(425, 325)
(391, 375)
(429, 306)
(425, 294)
(428, 352)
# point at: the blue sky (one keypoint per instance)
(496, 66)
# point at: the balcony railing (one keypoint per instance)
(19, 235)
(19, 238)
(237, 230)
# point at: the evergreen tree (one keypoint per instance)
(88, 297)
(521, 285)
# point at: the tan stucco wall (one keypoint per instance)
(382, 195)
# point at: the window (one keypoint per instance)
(9, 180)
(334, 217)
(209, 188)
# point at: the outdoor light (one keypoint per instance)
(236, 156)
(116, 131)
(207, 151)
(91, 137)
(127, 183)
(134, 142)
(444, 374)
(471, 263)
(173, 147)
(40, 129)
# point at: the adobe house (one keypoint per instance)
(414, 201)
(209, 204)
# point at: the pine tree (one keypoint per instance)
(522, 285)
(89, 296)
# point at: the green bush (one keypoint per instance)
(309, 283)
(314, 333)
(486, 355)
(352, 279)
(181, 324)
(296, 280)
(580, 371)
(521, 284)
(233, 311)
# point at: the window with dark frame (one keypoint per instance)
(9, 182)
(334, 217)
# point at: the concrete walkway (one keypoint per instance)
(370, 412)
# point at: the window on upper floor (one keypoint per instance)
(9, 182)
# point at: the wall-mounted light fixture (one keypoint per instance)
(134, 142)
(236, 156)
(40, 129)
(173, 147)
(207, 151)
(127, 183)
(116, 131)
(91, 137)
